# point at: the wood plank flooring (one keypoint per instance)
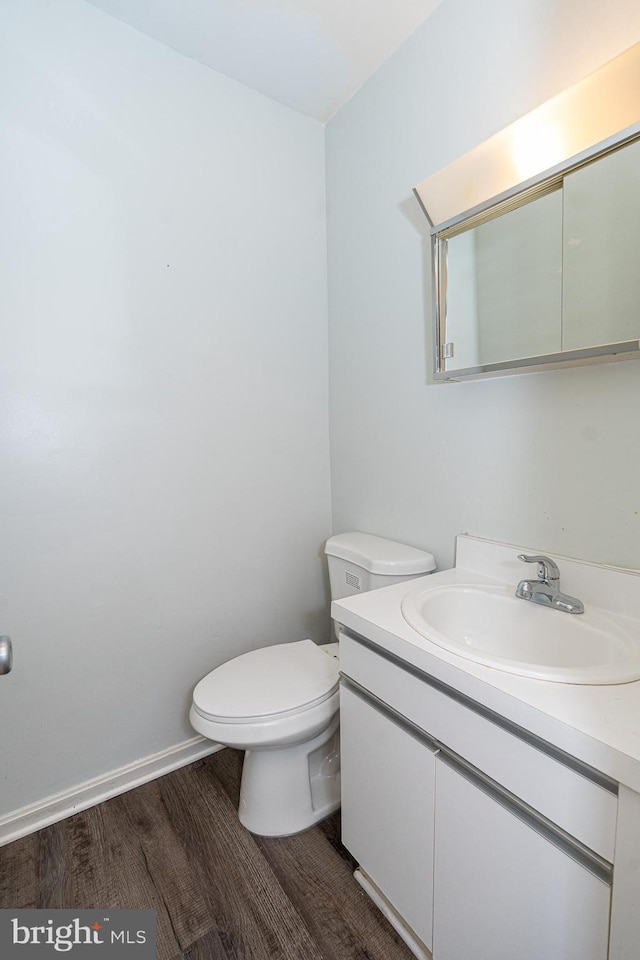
(175, 845)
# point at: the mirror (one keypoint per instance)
(502, 286)
(601, 287)
(549, 275)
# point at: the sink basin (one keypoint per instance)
(490, 625)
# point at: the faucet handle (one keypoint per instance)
(547, 568)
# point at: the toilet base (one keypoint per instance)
(287, 789)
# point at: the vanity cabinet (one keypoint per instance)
(486, 841)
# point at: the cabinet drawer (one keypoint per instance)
(577, 804)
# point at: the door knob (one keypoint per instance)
(6, 655)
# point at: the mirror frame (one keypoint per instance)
(509, 200)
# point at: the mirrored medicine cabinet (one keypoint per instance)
(546, 272)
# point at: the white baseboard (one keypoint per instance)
(49, 810)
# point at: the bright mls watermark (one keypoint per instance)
(78, 934)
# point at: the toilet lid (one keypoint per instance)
(266, 682)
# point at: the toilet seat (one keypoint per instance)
(267, 685)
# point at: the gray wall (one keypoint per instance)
(548, 460)
(164, 444)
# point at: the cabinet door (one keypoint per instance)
(387, 808)
(503, 890)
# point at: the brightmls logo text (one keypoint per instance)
(64, 937)
(82, 933)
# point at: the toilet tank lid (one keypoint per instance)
(378, 555)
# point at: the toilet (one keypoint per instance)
(280, 703)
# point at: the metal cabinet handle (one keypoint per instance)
(6, 655)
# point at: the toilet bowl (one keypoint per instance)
(280, 704)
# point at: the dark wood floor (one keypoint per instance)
(175, 845)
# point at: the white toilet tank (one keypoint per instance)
(359, 562)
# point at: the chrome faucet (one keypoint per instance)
(546, 589)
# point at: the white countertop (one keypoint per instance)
(599, 724)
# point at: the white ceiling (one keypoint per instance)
(309, 54)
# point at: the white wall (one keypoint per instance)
(548, 460)
(164, 447)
